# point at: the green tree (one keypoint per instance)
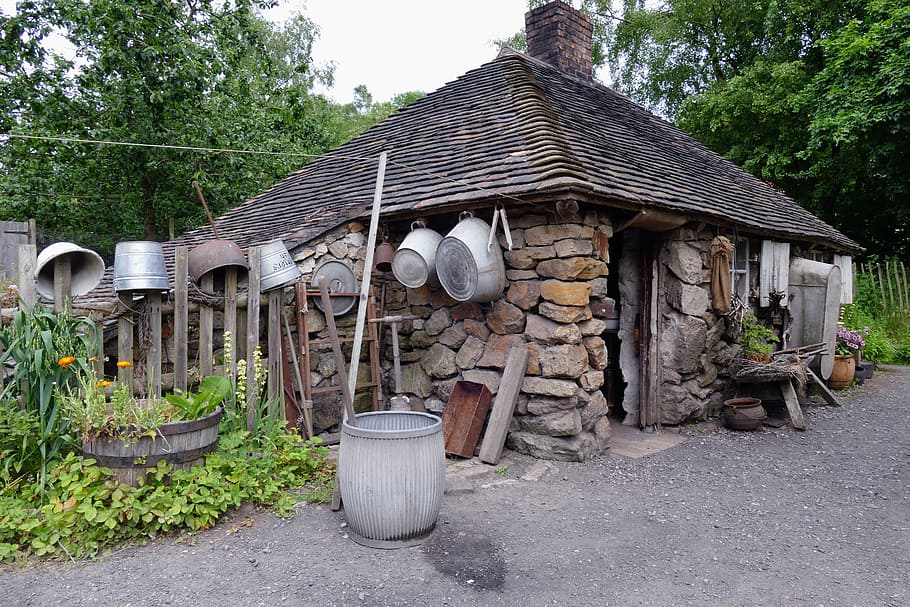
(860, 126)
(194, 74)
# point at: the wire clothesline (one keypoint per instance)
(325, 156)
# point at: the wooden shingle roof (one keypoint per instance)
(520, 128)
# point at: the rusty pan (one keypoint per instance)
(218, 254)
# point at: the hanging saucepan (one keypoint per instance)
(414, 263)
(468, 269)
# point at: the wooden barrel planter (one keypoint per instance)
(183, 444)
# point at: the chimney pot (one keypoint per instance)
(561, 36)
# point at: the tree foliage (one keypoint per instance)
(810, 96)
(194, 74)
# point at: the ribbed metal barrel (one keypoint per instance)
(391, 472)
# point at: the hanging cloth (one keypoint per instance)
(721, 289)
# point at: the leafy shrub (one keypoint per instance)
(18, 427)
(84, 510)
(48, 349)
(756, 339)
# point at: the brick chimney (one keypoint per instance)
(561, 36)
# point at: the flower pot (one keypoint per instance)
(183, 444)
(744, 413)
(842, 372)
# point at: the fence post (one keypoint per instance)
(28, 259)
(254, 256)
(181, 317)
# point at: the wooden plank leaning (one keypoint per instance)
(797, 420)
(504, 406)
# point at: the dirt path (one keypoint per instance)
(774, 517)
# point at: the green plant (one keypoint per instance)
(848, 341)
(85, 510)
(757, 340)
(17, 429)
(213, 389)
(48, 350)
(501, 470)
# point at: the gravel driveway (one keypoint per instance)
(773, 517)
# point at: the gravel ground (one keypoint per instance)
(774, 517)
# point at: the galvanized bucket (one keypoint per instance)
(277, 267)
(414, 263)
(391, 472)
(468, 268)
(139, 266)
(86, 269)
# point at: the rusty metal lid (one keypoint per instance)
(213, 255)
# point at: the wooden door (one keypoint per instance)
(647, 407)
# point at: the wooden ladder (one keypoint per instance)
(303, 301)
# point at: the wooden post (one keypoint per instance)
(230, 321)
(346, 389)
(254, 256)
(28, 258)
(181, 317)
(63, 283)
(153, 362)
(206, 328)
(276, 381)
(125, 339)
(899, 286)
(367, 269)
(98, 355)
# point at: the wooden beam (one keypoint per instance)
(823, 389)
(153, 361)
(504, 406)
(254, 256)
(206, 329)
(797, 420)
(28, 258)
(181, 317)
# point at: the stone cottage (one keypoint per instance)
(611, 212)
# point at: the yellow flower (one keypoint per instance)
(104, 383)
(124, 364)
(66, 361)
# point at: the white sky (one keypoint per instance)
(396, 46)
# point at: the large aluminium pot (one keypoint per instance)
(414, 263)
(468, 268)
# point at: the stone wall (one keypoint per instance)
(694, 350)
(556, 289)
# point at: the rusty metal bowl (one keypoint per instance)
(214, 255)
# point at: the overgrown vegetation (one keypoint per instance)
(85, 510)
(888, 339)
(55, 502)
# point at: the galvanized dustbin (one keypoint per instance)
(391, 472)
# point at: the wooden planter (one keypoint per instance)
(183, 444)
(842, 372)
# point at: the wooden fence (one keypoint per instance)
(890, 280)
(140, 341)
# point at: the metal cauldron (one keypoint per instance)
(277, 267)
(383, 256)
(414, 264)
(215, 255)
(86, 269)
(468, 268)
(139, 266)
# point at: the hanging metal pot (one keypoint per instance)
(414, 263)
(469, 268)
(383, 256)
(277, 267)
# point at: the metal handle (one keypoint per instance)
(417, 224)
